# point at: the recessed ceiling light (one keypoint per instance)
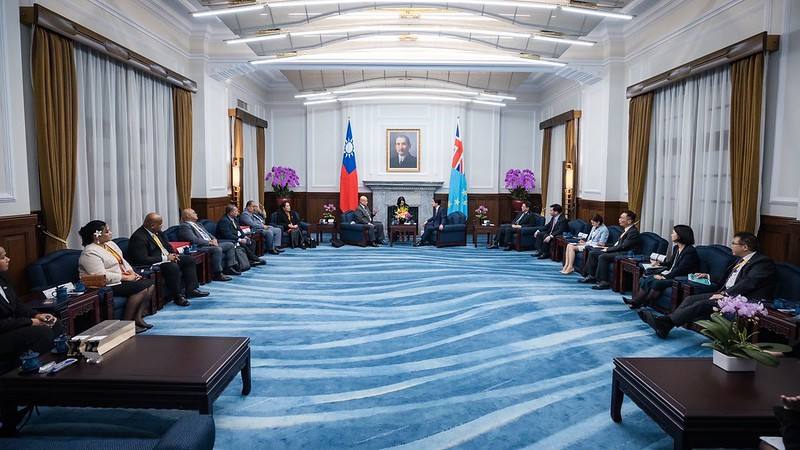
(596, 12)
(234, 10)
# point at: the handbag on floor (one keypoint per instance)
(242, 260)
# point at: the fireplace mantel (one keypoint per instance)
(416, 193)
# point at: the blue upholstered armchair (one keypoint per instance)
(454, 231)
(194, 432)
(788, 282)
(353, 233)
(524, 240)
(614, 232)
(172, 233)
(285, 239)
(576, 227)
(714, 260)
(61, 266)
(209, 225)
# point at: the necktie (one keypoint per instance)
(519, 219)
(3, 293)
(553, 225)
(160, 245)
(201, 230)
(735, 271)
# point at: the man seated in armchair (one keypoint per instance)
(546, 235)
(436, 221)
(362, 215)
(222, 255)
(751, 276)
(597, 264)
(505, 236)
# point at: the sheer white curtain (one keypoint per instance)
(558, 152)
(126, 147)
(688, 174)
(250, 175)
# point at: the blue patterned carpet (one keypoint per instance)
(418, 348)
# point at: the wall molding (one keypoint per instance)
(210, 208)
(7, 185)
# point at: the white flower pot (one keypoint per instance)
(734, 363)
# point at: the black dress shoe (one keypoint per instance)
(257, 262)
(197, 293)
(180, 300)
(140, 330)
(231, 271)
(493, 245)
(507, 249)
(536, 254)
(221, 277)
(143, 324)
(587, 280)
(279, 250)
(274, 252)
(374, 244)
(663, 326)
(601, 286)
(543, 257)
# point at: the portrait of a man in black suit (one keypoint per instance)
(402, 150)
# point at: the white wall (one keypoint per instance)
(311, 141)
(670, 34)
(14, 198)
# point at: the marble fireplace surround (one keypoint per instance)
(417, 193)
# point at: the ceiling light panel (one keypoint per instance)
(507, 3)
(224, 11)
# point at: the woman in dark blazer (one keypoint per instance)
(21, 328)
(289, 221)
(684, 260)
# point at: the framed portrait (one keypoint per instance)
(403, 150)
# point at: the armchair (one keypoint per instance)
(559, 246)
(454, 231)
(614, 232)
(195, 432)
(61, 266)
(285, 240)
(524, 240)
(650, 243)
(147, 272)
(353, 233)
(714, 260)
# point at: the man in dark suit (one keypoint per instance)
(190, 231)
(21, 328)
(228, 229)
(751, 276)
(402, 157)
(363, 216)
(148, 246)
(596, 268)
(557, 226)
(505, 235)
(436, 221)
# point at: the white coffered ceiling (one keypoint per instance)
(485, 33)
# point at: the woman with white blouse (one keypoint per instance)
(597, 238)
(101, 256)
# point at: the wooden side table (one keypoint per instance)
(87, 303)
(319, 229)
(627, 268)
(405, 230)
(203, 266)
(489, 230)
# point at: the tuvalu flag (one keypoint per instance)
(348, 179)
(457, 198)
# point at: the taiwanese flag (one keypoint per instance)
(348, 179)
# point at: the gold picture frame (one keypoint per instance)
(410, 161)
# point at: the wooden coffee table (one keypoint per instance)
(405, 230)
(701, 405)
(165, 372)
(489, 230)
(320, 228)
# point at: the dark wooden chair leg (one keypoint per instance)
(616, 400)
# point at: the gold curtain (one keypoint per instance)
(262, 162)
(55, 92)
(747, 78)
(572, 149)
(237, 161)
(640, 111)
(182, 105)
(548, 133)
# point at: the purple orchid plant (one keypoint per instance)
(520, 182)
(481, 212)
(283, 179)
(731, 329)
(328, 210)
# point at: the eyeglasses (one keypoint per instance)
(736, 243)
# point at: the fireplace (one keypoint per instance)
(418, 195)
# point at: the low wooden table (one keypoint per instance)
(67, 311)
(625, 269)
(320, 228)
(396, 230)
(701, 405)
(489, 230)
(164, 372)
